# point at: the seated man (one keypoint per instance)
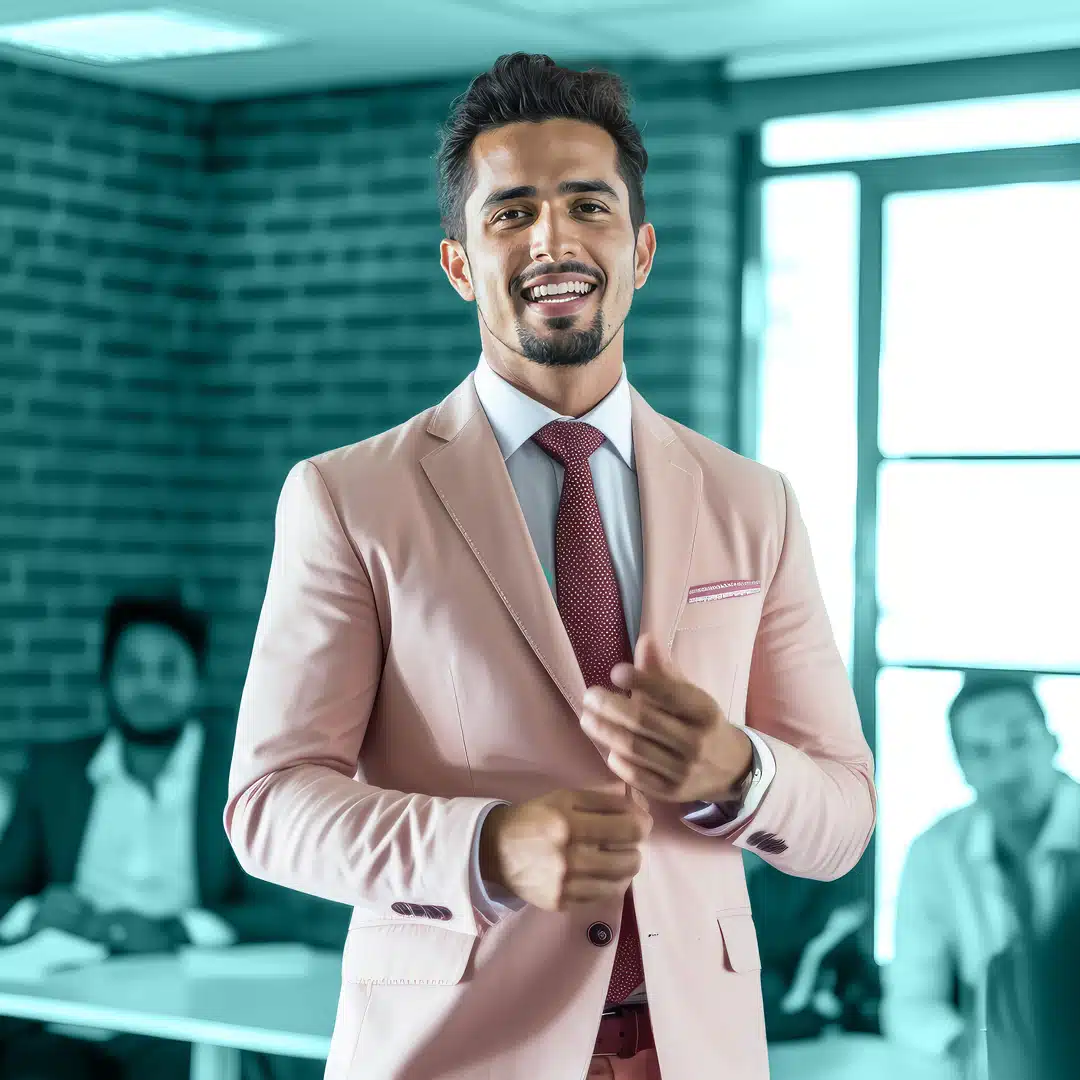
(814, 974)
(119, 839)
(982, 875)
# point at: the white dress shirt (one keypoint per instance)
(537, 478)
(138, 850)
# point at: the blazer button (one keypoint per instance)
(600, 934)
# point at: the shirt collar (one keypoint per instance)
(107, 764)
(515, 417)
(1060, 832)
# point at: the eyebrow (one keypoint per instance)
(567, 187)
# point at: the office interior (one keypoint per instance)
(216, 265)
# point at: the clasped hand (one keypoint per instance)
(669, 740)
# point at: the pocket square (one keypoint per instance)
(721, 590)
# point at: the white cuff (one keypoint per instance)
(207, 930)
(489, 899)
(16, 923)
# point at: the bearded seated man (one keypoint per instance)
(117, 838)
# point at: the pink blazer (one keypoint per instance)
(410, 666)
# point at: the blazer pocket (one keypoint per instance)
(403, 953)
(740, 940)
(728, 612)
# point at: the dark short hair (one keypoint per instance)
(164, 610)
(531, 87)
(979, 684)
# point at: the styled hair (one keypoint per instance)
(531, 88)
(982, 683)
(163, 610)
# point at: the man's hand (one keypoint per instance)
(61, 908)
(669, 740)
(565, 847)
(130, 932)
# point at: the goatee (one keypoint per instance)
(566, 347)
(158, 737)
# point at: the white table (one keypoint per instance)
(289, 1011)
(853, 1057)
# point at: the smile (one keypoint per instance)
(560, 303)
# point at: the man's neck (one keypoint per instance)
(1018, 838)
(569, 391)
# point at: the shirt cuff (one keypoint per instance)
(493, 902)
(16, 922)
(712, 818)
(207, 930)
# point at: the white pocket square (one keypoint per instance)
(721, 590)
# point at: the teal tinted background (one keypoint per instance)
(193, 298)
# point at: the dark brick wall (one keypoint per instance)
(102, 288)
(229, 289)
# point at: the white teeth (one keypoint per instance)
(576, 287)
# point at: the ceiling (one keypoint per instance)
(369, 42)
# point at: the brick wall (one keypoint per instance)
(102, 286)
(195, 298)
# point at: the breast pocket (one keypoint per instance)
(733, 613)
(403, 953)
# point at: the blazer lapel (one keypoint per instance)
(669, 490)
(470, 478)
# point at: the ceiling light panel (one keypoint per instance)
(134, 36)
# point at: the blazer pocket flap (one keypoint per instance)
(740, 941)
(406, 953)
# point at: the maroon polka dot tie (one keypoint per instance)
(588, 599)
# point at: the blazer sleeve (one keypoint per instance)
(817, 817)
(918, 1007)
(297, 814)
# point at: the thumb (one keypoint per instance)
(648, 656)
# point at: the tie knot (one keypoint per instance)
(570, 442)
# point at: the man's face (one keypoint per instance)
(553, 228)
(154, 679)
(1006, 754)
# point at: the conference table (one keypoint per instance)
(282, 999)
(854, 1057)
(278, 999)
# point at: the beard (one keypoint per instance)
(160, 737)
(563, 346)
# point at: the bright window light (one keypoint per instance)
(124, 37)
(916, 130)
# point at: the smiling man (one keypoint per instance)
(534, 666)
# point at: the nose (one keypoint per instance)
(551, 238)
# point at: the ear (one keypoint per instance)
(455, 263)
(644, 252)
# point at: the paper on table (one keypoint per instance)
(47, 951)
(272, 959)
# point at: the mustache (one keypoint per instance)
(564, 268)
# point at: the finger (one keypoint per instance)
(645, 736)
(590, 890)
(673, 694)
(642, 779)
(589, 861)
(628, 827)
(591, 801)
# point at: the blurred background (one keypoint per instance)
(219, 255)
